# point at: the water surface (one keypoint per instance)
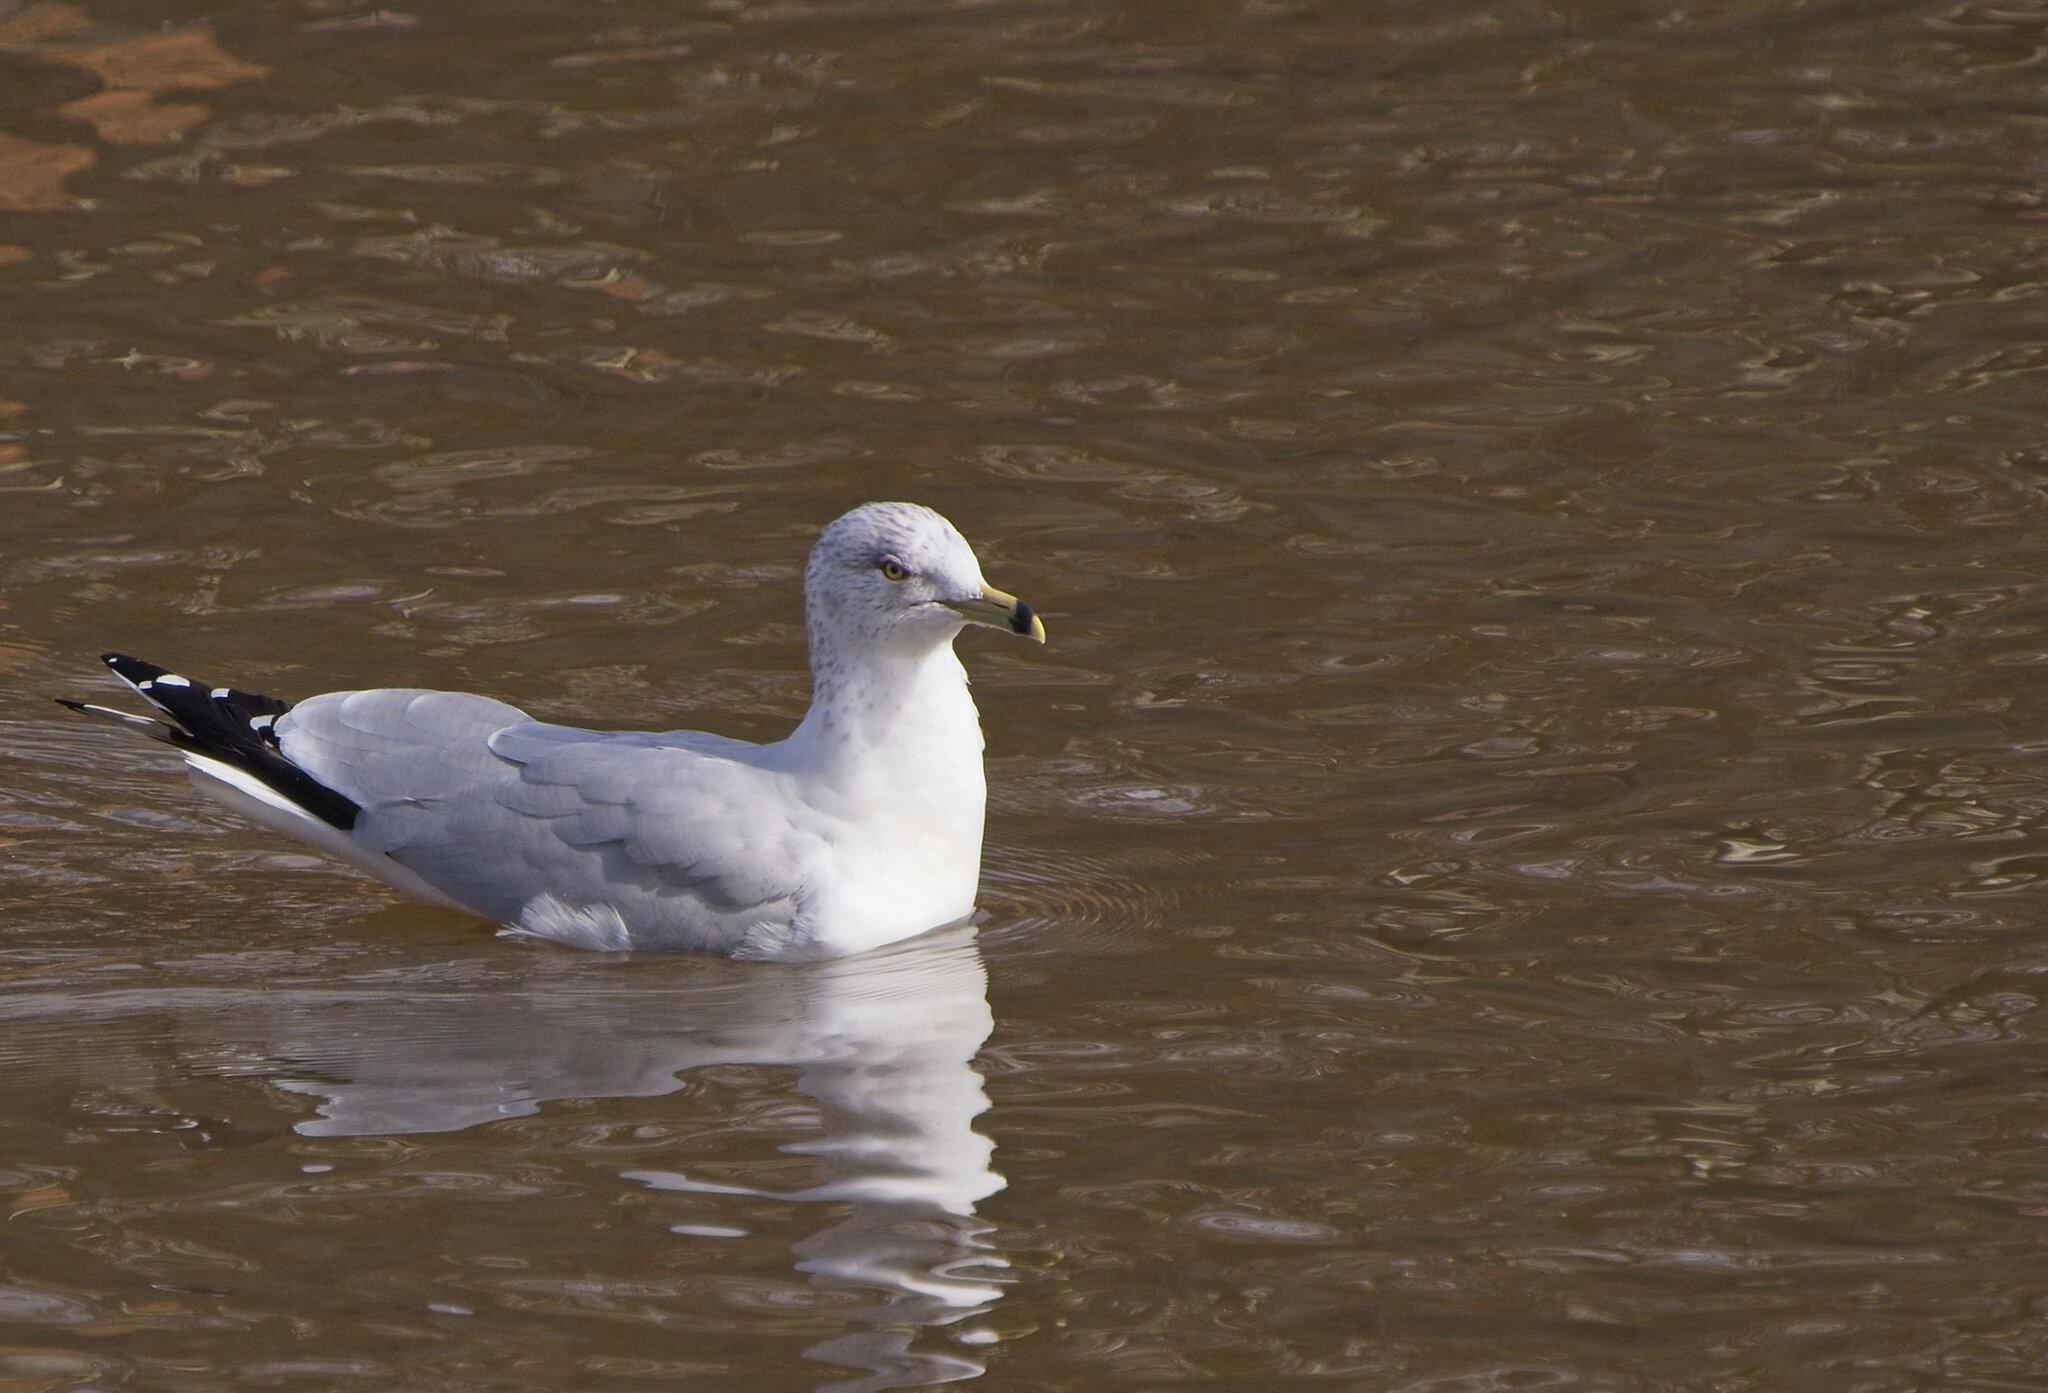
(1517, 868)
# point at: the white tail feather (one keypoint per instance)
(248, 795)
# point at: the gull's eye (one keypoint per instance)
(892, 569)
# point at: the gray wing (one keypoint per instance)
(685, 835)
(395, 742)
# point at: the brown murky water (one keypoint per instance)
(1518, 868)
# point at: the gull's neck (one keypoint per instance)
(889, 717)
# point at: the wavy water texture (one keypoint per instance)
(1516, 868)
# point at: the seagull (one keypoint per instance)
(861, 828)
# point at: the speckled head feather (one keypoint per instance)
(883, 575)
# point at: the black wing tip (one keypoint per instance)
(136, 672)
(231, 726)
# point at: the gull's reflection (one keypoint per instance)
(884, 1044)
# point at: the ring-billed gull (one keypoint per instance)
(862, 827)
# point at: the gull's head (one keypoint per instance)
(898, 573)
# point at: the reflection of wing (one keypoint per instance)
(883, 1043)
(582, 1028)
